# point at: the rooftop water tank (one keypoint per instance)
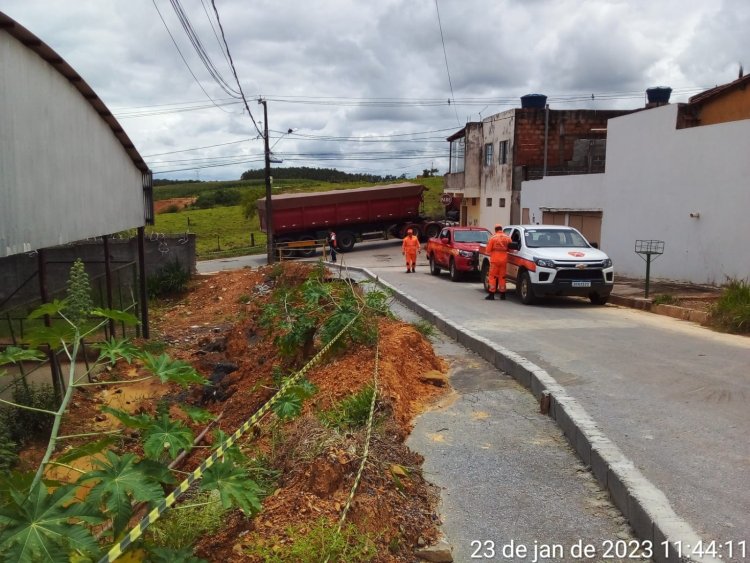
(658, 95)
(535, 101)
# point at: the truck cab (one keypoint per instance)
(456, 249)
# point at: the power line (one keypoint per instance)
(203, 55)
(445, 54)
(234, 70)
(184, 60)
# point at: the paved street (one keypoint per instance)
(670, 394)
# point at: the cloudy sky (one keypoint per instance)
(364, 86)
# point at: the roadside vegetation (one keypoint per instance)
(732, 310)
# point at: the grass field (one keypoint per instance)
(226, 230)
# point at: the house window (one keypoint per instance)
(489, 202)
(488, 154)
(502, 150)
(458, 152)
(502, 202)
(474, 201)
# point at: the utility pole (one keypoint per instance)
(269, 211)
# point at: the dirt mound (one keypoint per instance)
(216, 327)
(173, 204)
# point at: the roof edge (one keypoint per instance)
(49, 55)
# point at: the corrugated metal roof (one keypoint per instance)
(46, 52)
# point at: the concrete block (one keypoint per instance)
(663, 552)
(583, 446)
(566, 424)
(618, 490)
(639, 519)
(599, 466)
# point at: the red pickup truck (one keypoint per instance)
(456, 249)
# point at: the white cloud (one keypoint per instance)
(345, 50)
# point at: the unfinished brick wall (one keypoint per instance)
(565, 128)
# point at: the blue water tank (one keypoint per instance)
(658, 95)
(535, 101)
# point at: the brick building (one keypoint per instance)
(490, 159)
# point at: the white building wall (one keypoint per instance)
(60, 163)
(656, 176)
(581, 192)
(496, 179)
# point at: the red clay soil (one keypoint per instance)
(216, 321)
(178, 202)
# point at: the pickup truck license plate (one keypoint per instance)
(581, 284)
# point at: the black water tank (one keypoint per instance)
(659, 95)
(535, 101)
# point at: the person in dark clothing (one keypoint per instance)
(332, 245)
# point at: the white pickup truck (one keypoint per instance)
(553, 260)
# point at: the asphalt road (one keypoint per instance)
(670, 394)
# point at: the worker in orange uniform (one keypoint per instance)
(410, 248)
(497, 249)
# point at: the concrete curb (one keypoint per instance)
(645, 507)
(674, 311)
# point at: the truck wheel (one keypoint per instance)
(455, 274)
(284, 252)
(432, 230)
(345, 241)
(306, 251)
(597, 299)
(524, 290)
(486, 276)
(434, 268)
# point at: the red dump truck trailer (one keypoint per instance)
(351, 214)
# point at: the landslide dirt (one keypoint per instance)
(216, 322)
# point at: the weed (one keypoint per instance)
(182, 526)
(425, 328)
(665, 299)
(320, 543)
(25, 424)
(351, 412)
(732, 311)
(154, 346)
(171, 209)
(8, 447)
(244, 299)
(259, 469)
(171, 279)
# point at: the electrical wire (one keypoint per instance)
(234, 70)
(185, 60)
(201, 50)
(445, 54)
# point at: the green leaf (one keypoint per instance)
(288, 406)
(167, 555)
(120, 482)
(157, 471)
(304, 389)
(114, 349)
(233, 453)
(169, 370)
(115, 315)
(52, 308)
(89, 449)
(141, 421)
(14, 354)
(165, 435)
(53, 336)
(234, 486)
(43, 527)
(198, 414)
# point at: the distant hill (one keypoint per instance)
(318, 174)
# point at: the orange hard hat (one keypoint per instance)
(498, 227)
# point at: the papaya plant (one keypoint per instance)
(47, 521)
